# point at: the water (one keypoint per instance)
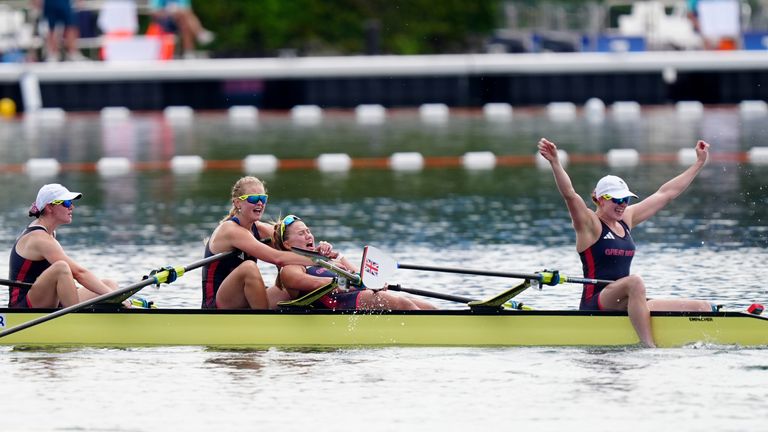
(710, 243)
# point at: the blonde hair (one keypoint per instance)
(238, 190)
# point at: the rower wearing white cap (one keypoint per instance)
(605, 244)
(38, 258)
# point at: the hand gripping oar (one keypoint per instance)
(155, 279)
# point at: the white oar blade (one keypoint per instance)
(377, 268)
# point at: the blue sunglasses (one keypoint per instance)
(287, 221)
(65, 203)
(255, 198)
(617, 201)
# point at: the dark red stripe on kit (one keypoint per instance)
(15, 291)
(590, 259)
(210, 281)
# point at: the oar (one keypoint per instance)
(8, 282)
(156, 279)
(472, 303)
(547, 277)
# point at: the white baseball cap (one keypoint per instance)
(613, 186)
(53, 192)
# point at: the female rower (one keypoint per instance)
(297, 280)
(235, 282)
(606, 247)
(37, 257)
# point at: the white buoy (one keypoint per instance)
(434, 112)
(689, 109)
(49, 115)
(623, 157)
(334, 162)
(187, 164)
(594, 106)
(260, 163)
(758, 155)
(113, 166)
(686, 156)
(115, 113)
(370, 114)
(406, 161)
(481, 160)
(42, 167)
(243, 113)
(561, 110)
(497, 111)
(753, 108)
(625, 109)
(181, 114)
(542, 163)
(307, 114)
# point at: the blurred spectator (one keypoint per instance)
(178, 14)
(60, 17)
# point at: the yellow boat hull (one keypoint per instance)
(344, 329)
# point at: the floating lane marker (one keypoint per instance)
(594, 108)
(114, 113)
(113, 166)
(543, 164)
(334, 162)
(753, 108)
(625, 109)
(561, 111)
(260, 164)
(307, 114)
(179, 114)
(758, 155)
(187, 164)
(497, 111)
(434, 112)
(42, 167)
(686, 156)
(406, 161)
(622, 158)
(689, 109)
(48, 115)
(478, 160)
(370, 114)
(243, 113)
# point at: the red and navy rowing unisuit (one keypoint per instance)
(337, 299)
(214, 273)
(608, 258)
(23, 270)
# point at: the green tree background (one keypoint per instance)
(342, 27)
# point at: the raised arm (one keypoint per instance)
(638, 213)
(230, 236)
(584, 220)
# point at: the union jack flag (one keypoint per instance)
(371, 267)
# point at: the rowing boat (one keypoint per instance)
(326, 328)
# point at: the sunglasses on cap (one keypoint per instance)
(617, 201)
(65, 203)
(254, 198)
(287, 221)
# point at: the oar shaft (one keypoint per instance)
(469, 271)
(109, 295)
(8, 282)
(432, 294)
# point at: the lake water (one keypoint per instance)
(710, 243)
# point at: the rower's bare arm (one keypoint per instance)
(238, 237)
(670, 190)
(295, 277)
(51, 251)
(581, 215)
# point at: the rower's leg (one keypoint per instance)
(84, 294)
(628, 294)
(685, 305)
(55, 285)
(422, 304)
(275, 295)
(243, 288)
(383, 300)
